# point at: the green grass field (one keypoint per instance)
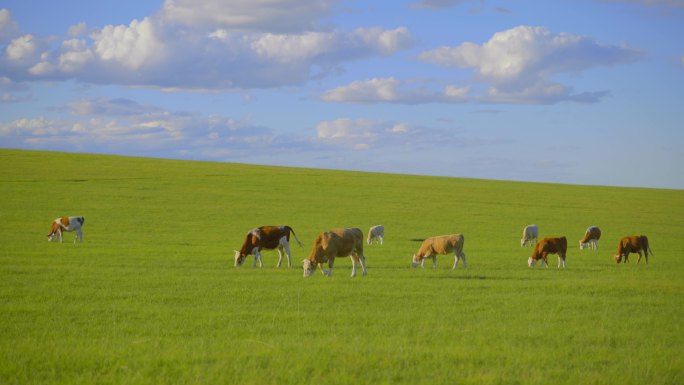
(152, 297)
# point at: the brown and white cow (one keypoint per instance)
(590, 238)
(530, 234)
(62, 224)
(549, 246)
(269, 238)
(632, 244)
(335, 243)
(444, 244)
(376, 233)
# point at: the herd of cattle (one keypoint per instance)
(341, 242)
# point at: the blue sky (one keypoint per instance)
(581, 92)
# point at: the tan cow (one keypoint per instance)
(336, 243)
(591, 238)
(632, 244)
(444, 244)
(549, 246)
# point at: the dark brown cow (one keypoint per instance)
(549, 246)
(590, 238)
(632, 244)
(336, 243)
(269, 238)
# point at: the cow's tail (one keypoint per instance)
(647, 247)
(295, 236)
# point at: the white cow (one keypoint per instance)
(62, 224)
(376, 233)
(590, 239)
(530, 232)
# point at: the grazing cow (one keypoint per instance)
(632, 244)
(530, 232)
(62, 224)
(444, 244)
(376, 233)
(591, 238)
(266, 237)
(549, 246)
(336, 243)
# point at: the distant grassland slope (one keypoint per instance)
(151, 296)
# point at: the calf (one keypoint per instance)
(266, 237)
(444, 244)
(62, 224)
(530, 233)
(336, 243)
(632, 244)
(591, 238)
(376, 233)
(549, 246)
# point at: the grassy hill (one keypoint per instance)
(151, 296)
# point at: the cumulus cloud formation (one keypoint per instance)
(521, 62)
(391, 90)
(124, 126)
(187, 45)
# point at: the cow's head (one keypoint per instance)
(309, 267)
(531, 262)
(618, 258)
(239, 258)
(583, 245)
(55, 231)
(415, 260)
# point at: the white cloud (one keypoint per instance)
(124, 126)
(8, 28)
(252, 15)
(522, 60)
(22, 48)
(391, 90)
(77, 29)
(130, 46)
(153, 52)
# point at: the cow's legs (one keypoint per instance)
(331, 262)
(561, 260)
(353, 259)
(79, 235)
(639, 256)
(280, 255)
(456, 258)
(434, 261)
(382, 240)
(362, 261)
(289, 254)
(257, 257)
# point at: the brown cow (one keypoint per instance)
(632, 244)
(443, 244)
(336, 243)
(266, 237)
(549, 246)
(591, 238)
